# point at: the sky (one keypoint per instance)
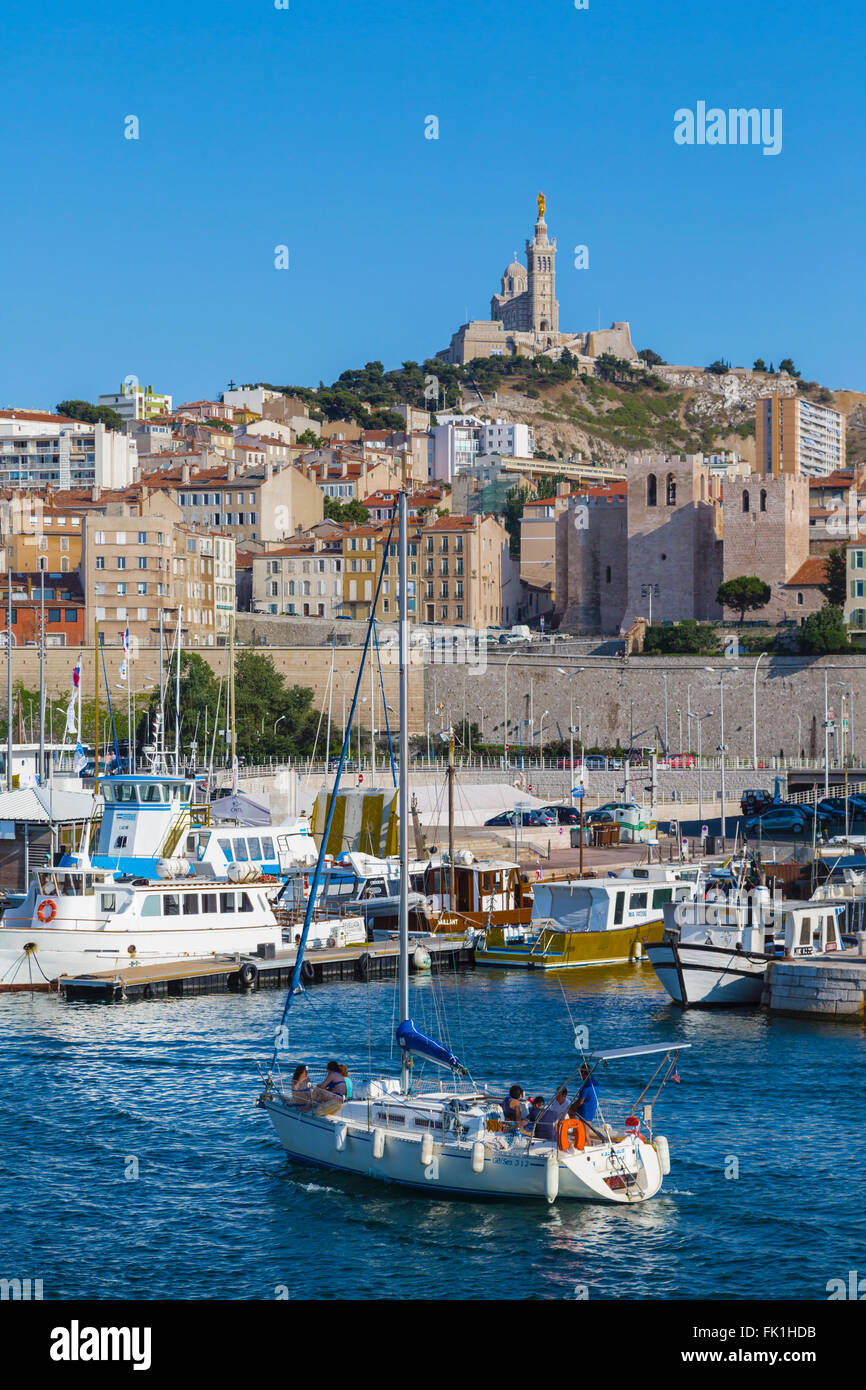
(304, 127)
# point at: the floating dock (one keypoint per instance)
(825, 988)
(182, 979)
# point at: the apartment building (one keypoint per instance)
(466, 570)
(794, 435)
(134, 402)
(59, 597)
(508, 437)
(267, 503)
(538, 540)
(39, 450)
(303, 578)
(34, 537)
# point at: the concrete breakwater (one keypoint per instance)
(823, 989)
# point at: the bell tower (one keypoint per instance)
(541, 267)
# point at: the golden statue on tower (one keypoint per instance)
(541, 207)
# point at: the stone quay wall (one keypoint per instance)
(822, 988)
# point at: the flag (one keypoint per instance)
(123, 670)
(76, 676)
(79, 759)
(71, 726)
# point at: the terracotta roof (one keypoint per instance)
(43, 417)
(812, 571)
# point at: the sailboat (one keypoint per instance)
(451, 1136)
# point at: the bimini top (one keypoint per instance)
(636, 1051)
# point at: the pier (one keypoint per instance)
(183, 979)
(822, 988)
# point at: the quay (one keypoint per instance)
(184, 979)
(818, 988)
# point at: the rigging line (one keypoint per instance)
(332, 801)
(457, 998)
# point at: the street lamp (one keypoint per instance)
(699, 719)
(667, 745)
(541, 733)
(755, 712)
(280, 720)
(723, 671)
(505, 725)
(826, 733)
(570, 678)
(839, 725)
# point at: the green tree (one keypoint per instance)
(310, 440)
(759, 365)
(91, 414)
(719, 368)
(685, 638)
(355, 511)
(651, 358)
(787, 365)
(835, 586)
(824, 632)
(745, 594)
(512, 516)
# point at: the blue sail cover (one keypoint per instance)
(411, 1040)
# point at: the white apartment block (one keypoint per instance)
(299, 580)
(508, 437)
(39, 451)
(137, 402)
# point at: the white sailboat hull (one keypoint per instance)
(542, 1173)
(707, 974)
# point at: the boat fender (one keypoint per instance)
(478, 1157)
(636, 951)
(660, 1144)
(362, 966)
(308, 973)
(340, 1136)
(378, 1143)
(551, 1177)
(247, 975)
(564, 1131)
(426, 1149)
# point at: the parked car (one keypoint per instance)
(565, 815)
(754, 800)
(541, 817)
(606, 812)
(595, 762)
(786, 822)
(835, 806)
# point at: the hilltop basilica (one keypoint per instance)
(524, 316)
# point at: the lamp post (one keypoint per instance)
(724, 671)
(826, 734)
(541, 735)
(667, 745)
(699, 719)
(570, 678)
(280, 720)
(505, 725)
(839, 725)
(755, 712)
(799, 737)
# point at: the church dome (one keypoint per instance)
(515, 270)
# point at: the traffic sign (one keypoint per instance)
(704, 832)
(578, 791)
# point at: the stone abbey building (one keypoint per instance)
(662, 547)
(524, 315)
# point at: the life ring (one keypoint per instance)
(332, 941)
(47, 910)
(564, 1132)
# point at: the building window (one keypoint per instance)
(121, 562)
(800, 598)
(745, 500)
(763, 499)
(670, 491)
(651, 490)
(607, 575)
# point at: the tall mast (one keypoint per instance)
(451, 903)
(159, 766)
(42, 679)
(9, 688)
(403, 786)
(177, 695)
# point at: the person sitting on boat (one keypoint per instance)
(337, 1080)
(536, 1110)
(304, 1093)
(516, 1110)
(586, 1105)
(548, 1122)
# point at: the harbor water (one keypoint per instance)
(135, 1164)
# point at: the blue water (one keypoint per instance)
(216, 1211)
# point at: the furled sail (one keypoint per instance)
(412, 1040)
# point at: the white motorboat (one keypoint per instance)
(74, 920)
(452, 1137)
(718, 952)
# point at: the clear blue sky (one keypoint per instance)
(305, 127)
